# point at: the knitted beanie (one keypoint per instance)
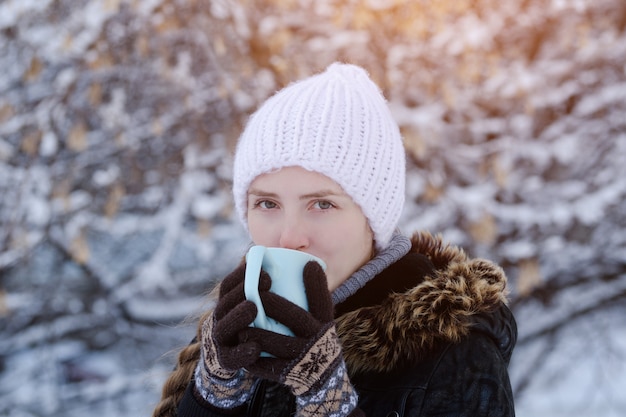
(336, 123)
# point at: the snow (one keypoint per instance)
(108, 247)
(12, 10)
(569, 386)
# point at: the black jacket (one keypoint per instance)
(429, 336)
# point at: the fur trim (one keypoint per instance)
(410, 326)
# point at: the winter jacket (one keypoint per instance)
(429, 336)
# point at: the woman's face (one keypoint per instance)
(298, 209)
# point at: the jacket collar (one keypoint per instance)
(432, 296)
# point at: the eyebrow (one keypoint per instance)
(316, 194)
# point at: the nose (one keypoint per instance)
(294, 235)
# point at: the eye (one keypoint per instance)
(265, 204)
(323, 205)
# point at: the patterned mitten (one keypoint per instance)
(311, 362)
(220, 377)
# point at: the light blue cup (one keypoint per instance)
(285, 267)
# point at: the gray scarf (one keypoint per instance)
(398, 247)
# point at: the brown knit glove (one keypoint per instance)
(310, 363)
(234, 314)
(220, 377)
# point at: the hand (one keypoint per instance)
(308, 327)
(232, 315)
(310, 363)
(220, 377)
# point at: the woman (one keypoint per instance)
(396, 326)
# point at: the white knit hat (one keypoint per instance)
(336, 123)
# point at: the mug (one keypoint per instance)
(285, 267)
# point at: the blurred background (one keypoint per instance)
(117, 123)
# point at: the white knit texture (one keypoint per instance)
(336, 123)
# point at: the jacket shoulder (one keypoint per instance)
(442, 307)
(461, 379)
(471, 378)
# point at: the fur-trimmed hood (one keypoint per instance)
(440, 307)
